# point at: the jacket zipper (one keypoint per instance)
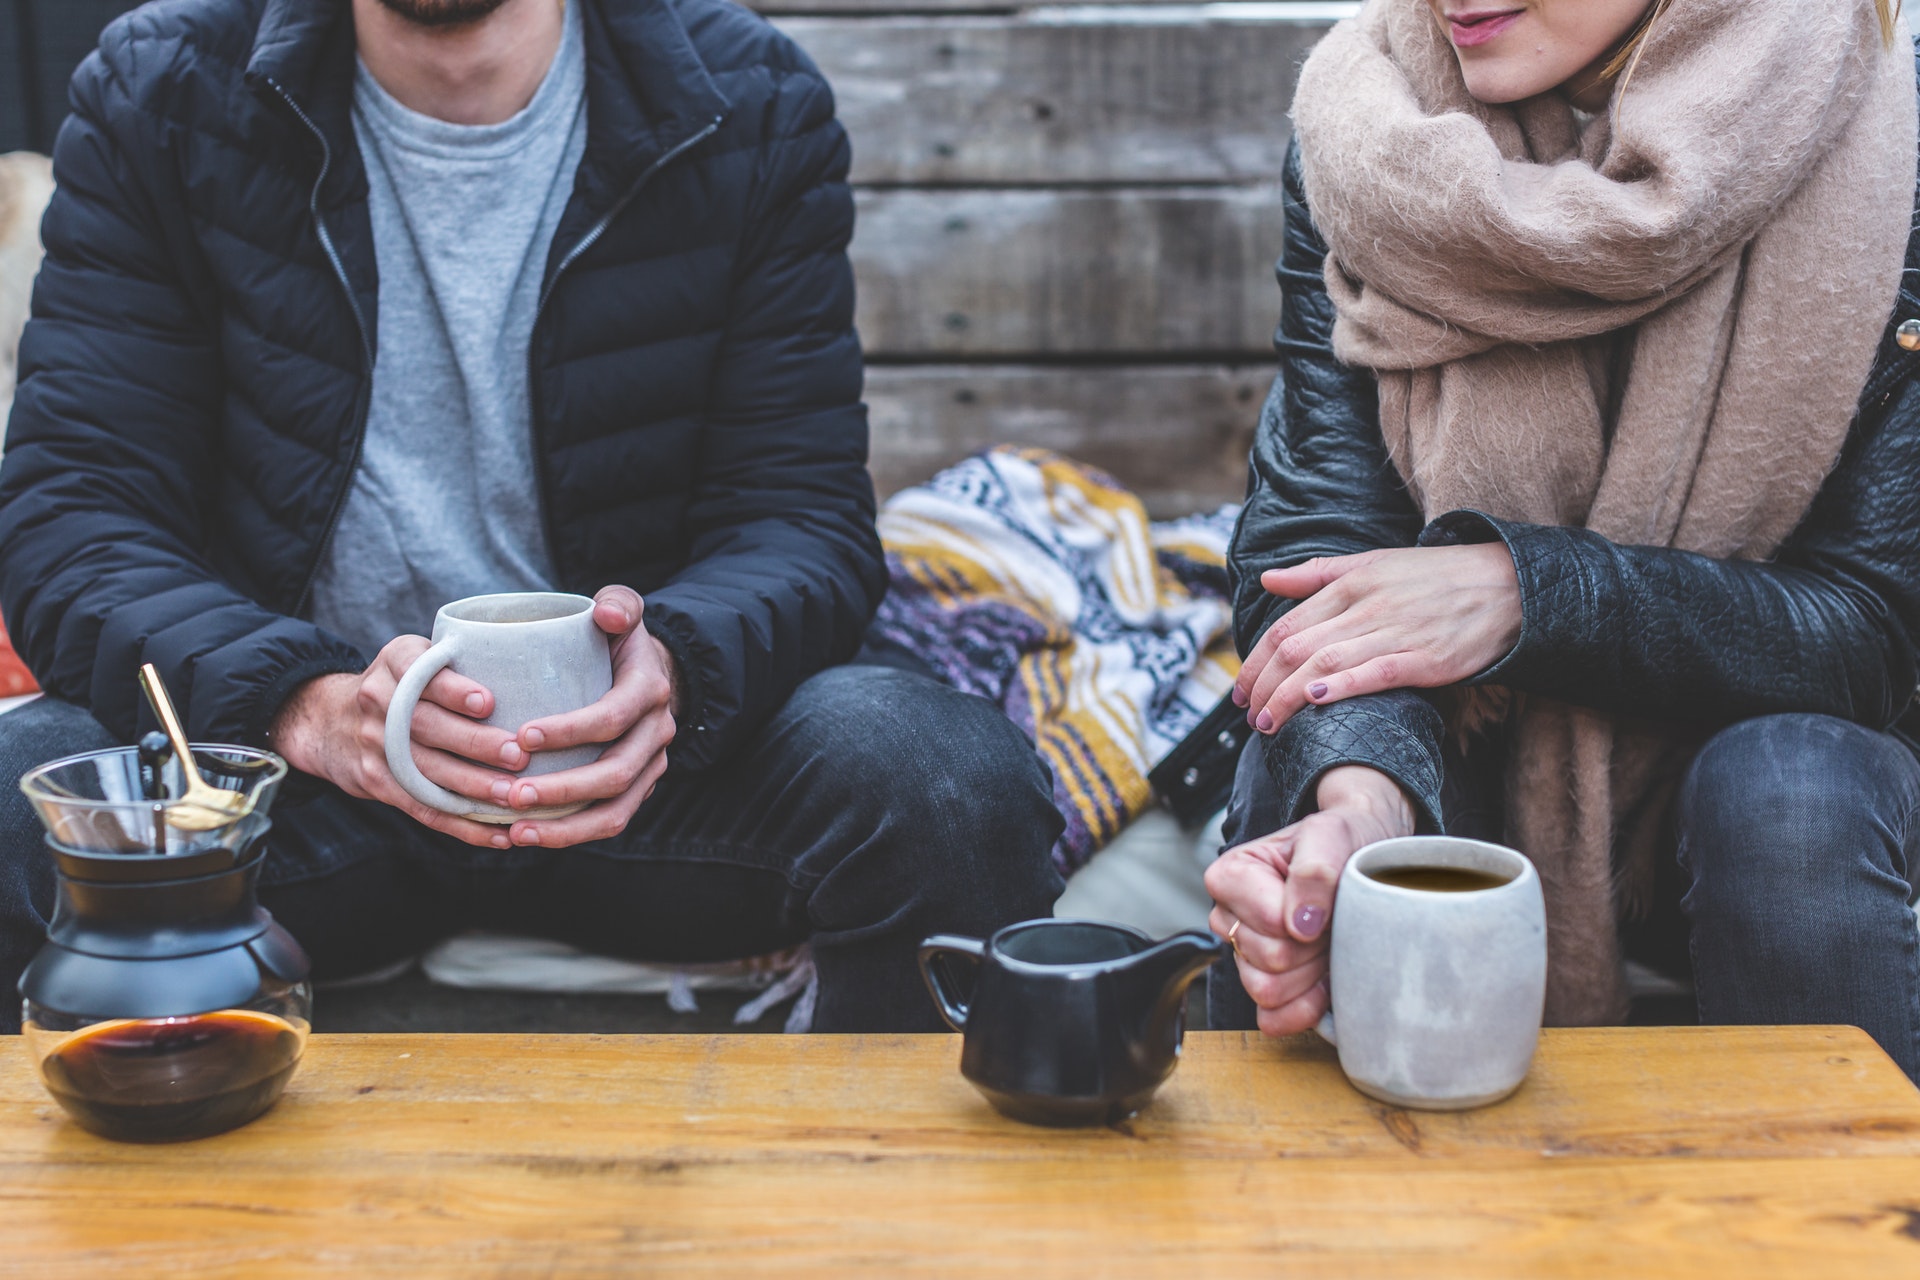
(366, 345)
(584, 243)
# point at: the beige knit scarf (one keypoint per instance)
(1654, 324)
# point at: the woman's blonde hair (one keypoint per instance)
(1629, 54)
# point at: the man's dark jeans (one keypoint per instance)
(875, 808)
(1798, 845)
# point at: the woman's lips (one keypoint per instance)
(1469, 29)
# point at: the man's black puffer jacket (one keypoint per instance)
(1827, 626)
(194, 380)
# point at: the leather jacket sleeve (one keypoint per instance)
(1826, 627)
(1320, 484)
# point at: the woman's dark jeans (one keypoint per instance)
(1798, 838)
(875, 808)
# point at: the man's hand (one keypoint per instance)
(1280, 888)
(335, 728)
(636, 718)
(1408, 618)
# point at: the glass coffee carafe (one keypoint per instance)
(167, 1004)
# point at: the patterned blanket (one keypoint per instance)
(1038, 582)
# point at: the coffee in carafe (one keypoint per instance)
(167, 1079)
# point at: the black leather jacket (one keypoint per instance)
(1827, 626)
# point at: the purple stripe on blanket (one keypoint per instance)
(975, 648)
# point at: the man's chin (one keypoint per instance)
(441, 13)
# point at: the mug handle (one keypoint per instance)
(952, 1008)
(406, 697)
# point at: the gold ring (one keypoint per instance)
(1231, 940)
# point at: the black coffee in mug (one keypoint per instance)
(1438, 879)
(1437, 972)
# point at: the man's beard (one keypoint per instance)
(442, 13)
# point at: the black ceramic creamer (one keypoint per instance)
(1067, 1022)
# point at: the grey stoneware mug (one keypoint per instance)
(1437, 995)
(539, 652)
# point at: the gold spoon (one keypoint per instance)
(204, 806)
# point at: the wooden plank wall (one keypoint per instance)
(1068, 221)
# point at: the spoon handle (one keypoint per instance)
(156, 693)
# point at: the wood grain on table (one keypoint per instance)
(1669, 1151)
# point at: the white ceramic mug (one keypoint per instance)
(1437, 997)
(539, 653)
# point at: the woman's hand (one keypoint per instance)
(1279, 889)
(1407, 618)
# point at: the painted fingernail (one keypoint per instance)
(535, 739)
(501, 790)
(1239, 696)
(1264, 722)
(1317, 690)
(1308, 921)
(476, 703)
(528, 796)
(502, 841)
(510, 754)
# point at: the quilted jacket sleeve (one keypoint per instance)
(1321, 485)
(785, 569)
(108, 464)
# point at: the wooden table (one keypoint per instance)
(1676, 1151)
